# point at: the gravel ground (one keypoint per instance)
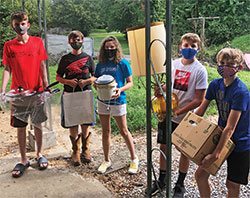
(124, 185)
(117, 180)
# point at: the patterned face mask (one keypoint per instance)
(227, 71)
(21, 29)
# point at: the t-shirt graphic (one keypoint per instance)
(76, 67)
(181, 80)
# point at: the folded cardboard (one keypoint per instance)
(196, 137)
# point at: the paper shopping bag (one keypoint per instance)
(78, 108)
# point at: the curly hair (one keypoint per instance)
(234, 55)
(119, 55)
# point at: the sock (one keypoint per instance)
(181, 178)
(135, 160)
(162, 176)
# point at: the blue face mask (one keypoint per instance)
(188, 53)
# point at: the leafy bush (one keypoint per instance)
(233, 21)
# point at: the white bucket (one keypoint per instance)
(105, 86)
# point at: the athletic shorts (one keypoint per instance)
(114, 110)
(63, 119)
(161, 138)
(238, 167)
(20, 115)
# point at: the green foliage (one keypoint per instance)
(74, 14)
(242, 43)
(120, 14)
(157, 10)
(244, 76)
(6, 32)
(7, 7)
(233, 21)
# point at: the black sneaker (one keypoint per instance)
(179, 191)
(156, 188)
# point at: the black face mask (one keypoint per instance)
(110, 53)
(76, 45)
(21, 30)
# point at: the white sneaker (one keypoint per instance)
(134, 164)
(104, 167)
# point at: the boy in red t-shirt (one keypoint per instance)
(23, 59)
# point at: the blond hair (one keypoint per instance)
(102, 58)
(74, 34)
(19, 16)
(191, 37)
(232, 55)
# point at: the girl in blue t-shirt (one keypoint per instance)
(110, 62)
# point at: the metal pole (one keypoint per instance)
(203, 33)
(23, 5)
(168, 96)
(148, 96)
(39, 17)
(47, 62)
(45, 37)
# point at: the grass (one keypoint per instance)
(242, 43)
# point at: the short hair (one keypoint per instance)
(102, 58)
(74, 34)
(234, 55)
(191, 37)
(19, 16)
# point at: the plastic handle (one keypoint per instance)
(52, 84)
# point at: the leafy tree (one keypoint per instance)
(6, 32)
(7, 7)
(123, 14)
(234, 18)
(74, 14)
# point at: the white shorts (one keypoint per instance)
(114, 110)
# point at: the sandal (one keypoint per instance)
(21, 168)
(40, 161)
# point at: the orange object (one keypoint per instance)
(159, 105)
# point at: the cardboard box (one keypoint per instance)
(196, 137)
